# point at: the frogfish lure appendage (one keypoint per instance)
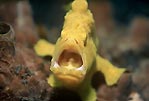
(74, 57)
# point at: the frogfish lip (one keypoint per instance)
(68, 67)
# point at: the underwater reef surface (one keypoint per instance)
(23, 74)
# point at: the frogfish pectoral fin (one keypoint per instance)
(111, 73)
(53, 82)
(44, 48)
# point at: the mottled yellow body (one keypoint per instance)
(75, 59)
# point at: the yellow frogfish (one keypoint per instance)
(74, 57)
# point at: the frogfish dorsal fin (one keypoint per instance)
(80, 5)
